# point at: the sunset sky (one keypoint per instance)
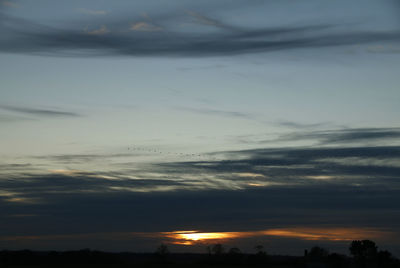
(126, 124)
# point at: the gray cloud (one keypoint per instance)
(7, 118)
(250, 209)
(205, 20)
(28, 37)
(39, 112)
(297, 125)
(216, 112)
(91, 11)
(345, 135)
(250, 190)
(300, 167)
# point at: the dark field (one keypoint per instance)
(361, 257)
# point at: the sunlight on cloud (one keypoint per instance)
(73, 172)
(330, 234)
(249, 175)
(145, 27)
(201, 19)
(156, 188)
(320, 177)
(6, 193)
(194, 237)
(100, 31)
(256, 184)
(9, 4)
(23, 200)
(363, 161)
(321, 234)
(264, 184)
(13, 197)
(67, 172)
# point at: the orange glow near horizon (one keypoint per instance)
(303, 233)
(329, 234)
(193, 237)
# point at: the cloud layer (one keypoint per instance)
(155, 37)
(253, 190)
(38, 112)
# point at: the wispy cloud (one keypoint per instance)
(23, 37)
(384, 49)
(7, 118)
(39, 112)
(316, 234)
(100, 31)
(236, 170)
(296, 125)
(345, 135)
(91, 11)
(265, 189)
(205, 20)
(145, 27)
(215, 112)
(9, 4)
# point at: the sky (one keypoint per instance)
(128, 124)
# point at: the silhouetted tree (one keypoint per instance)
(218, 249)
(385, 259)
(260, 258)
(316, 257)
(235, 256)
(335, 260)
(162, 253)
(162, 250)
(363, 251)
(318, 253)
(260, 249)
(233, 251)
(209, 250)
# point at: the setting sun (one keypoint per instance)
(190, 237)
(327, 234)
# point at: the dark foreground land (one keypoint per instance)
(316, 258)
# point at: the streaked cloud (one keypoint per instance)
(145, 27)
(91, 11)
(364, 161)
(314, 233)
(342, 136)
(248, 175)
(193, 237)
(39, 112)
(23, 37)
(8, 118)
(384, 49)
(297, 125)
(22, 200)
(205, 20)
(331, 234)
(254, 185)
(216, 112)
(231, 170)
(100, 31)
(9, 4)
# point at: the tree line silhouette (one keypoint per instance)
(363, 254)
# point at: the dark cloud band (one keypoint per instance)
(38, 112)
(27, 37)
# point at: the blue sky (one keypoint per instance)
(103, 103)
